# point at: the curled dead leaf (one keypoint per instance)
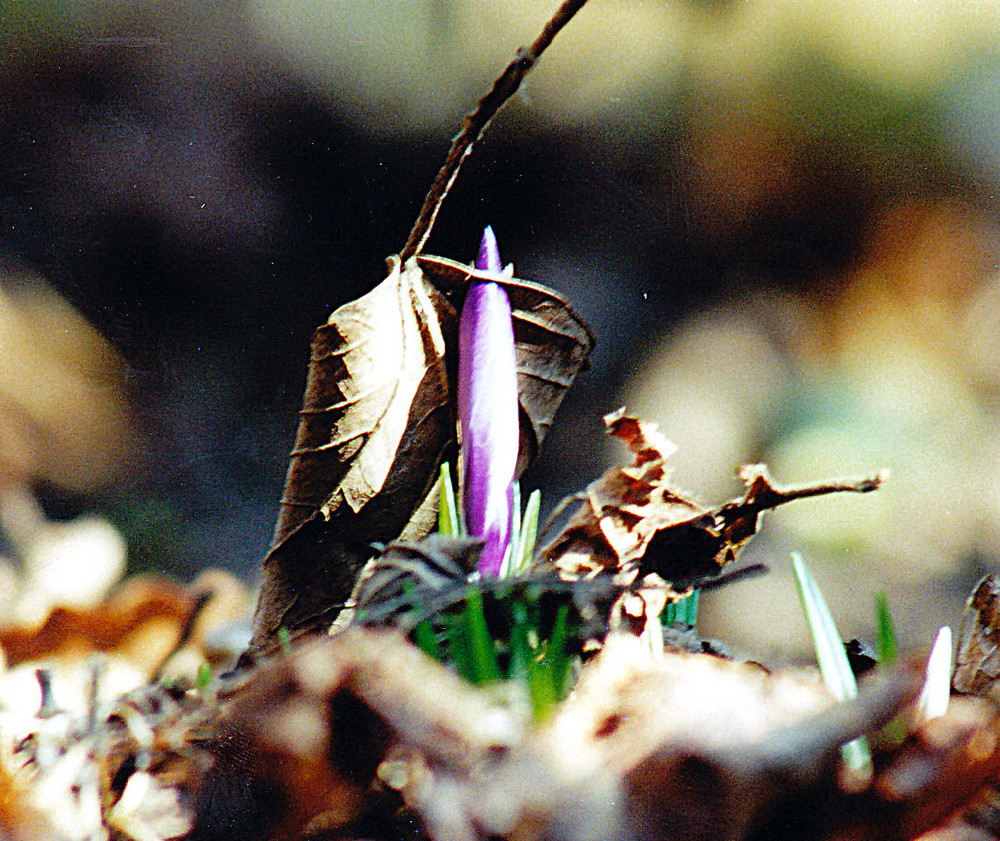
(977, 662)
(63, 410)
(632, 521)
(681, 747)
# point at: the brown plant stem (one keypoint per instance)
(476, 121)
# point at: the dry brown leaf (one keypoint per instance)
(378, 419)
(120, 767)
(683, 747)
(631, 519)
(977, 672)
(310, 730)
(63, 411)
(142, 617)
(977, 662)
(141, 622)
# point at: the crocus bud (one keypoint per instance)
(487, 409)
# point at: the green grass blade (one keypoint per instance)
(426, 639)
(528, 532)
(556, 656)
(669, 614)
(887, 651)
(458, 649)
(688, 612)
(541, 688)
(830, 654)
(204, 677)
(651, 637)
(515, 530)
(482, 648)
(520, 647)
(886, 646)
(449, 523)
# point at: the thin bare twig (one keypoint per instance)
(476, 121)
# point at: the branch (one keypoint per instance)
(476, 121)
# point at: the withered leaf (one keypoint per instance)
(144, 613)
(632, 521)
(411, 573)
(977, 672)
(629, 755)
(417, 581)
(378, 418)
(977, 662)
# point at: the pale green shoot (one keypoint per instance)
(832, 659)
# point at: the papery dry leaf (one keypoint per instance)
(148, 810)
(632, 520)
(72, 564)
(957, 830)
(19, 819)
(412, 573)
(414, 582)
(142, 617)
(684, 747)
(120, 768)
(141, 621)
(378, 418)
(784, 784)
(309, 731)
(63, 412)
(977, 672)
(977, 661)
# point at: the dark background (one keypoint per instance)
(205, 186)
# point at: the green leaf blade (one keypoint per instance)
(832, 659)
(482, 648)
(886, 646)
(449, 523)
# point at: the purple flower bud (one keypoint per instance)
(487, 409)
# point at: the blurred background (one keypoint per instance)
(780, 219)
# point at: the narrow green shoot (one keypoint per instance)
(426, 640)
(556, 656)
(886, 646)
(832, 659)
(521, 559)
(515, 531)
(458, 648)
(684, 611)
(887, 651)
(423, 631)
(482, 648)
(651, 638)
(203, 678)
(515, 527)
(520, 641)
(284, 640)
(688, 609)
(541, 688)
(449, 523)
